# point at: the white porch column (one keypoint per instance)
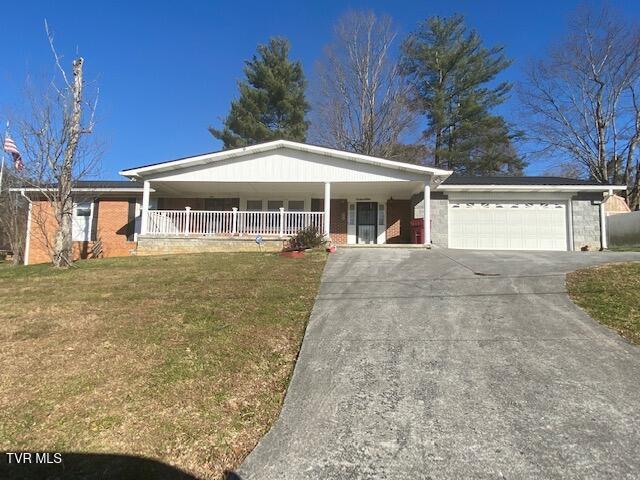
(427, 214)
(327, 209)
(145, 207)
(604, 244)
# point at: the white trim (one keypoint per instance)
(570, 224)
(604, 244)
(531, 188)
(266, 147)
(146, 193)
(426, 216)
(327, 210)
(524, 196)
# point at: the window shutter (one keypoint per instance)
(131, 220)
(94, 220)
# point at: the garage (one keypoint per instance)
(508, 224)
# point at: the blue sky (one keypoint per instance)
(167, 70)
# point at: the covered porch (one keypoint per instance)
(344, 212)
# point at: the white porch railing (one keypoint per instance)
(207, 222)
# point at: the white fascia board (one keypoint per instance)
(530, 188)
(265, 147)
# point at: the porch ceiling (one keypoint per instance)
(403, 189)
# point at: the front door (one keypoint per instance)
(366, 222)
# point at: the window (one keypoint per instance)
(352, 214)
(296, 205)
(380, 214)
(274, 205)
(254, 205)
(81, 222)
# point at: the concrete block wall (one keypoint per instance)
(439, 216)
(586, 221)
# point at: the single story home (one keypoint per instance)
(254, 197)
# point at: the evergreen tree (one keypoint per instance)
(449, 70)
(272, 102)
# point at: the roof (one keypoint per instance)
(108, 184)
(504, 180)
(205, 158)
(91, 186)
(523, 183)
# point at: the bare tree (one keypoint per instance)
(58, 153)
(360, 100)
(581, 103)
(13, 209)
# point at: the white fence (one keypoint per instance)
(623, 229)
(231, 223)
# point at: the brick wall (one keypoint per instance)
(181, 203)
(113, 215)
(111, 230)
(398, 217)
(338, 221)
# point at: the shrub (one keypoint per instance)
(309, 237)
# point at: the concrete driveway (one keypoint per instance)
(455, 364)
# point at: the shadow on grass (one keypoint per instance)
(78, 466)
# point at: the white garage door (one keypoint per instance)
(505, 225)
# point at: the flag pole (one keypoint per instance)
(2, 166)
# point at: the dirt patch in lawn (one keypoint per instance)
(610, 294)
(184, 359)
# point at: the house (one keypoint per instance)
(229, 200)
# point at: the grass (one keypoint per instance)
(609, 294)
(625, 249)
(184, 359)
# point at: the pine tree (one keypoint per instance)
(449, 70)
(272, 102)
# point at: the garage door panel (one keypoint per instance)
(509, 225)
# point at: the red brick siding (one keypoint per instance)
(112, 231)
(182, 203)
(113, 216)
(338, 219)
(398, 217)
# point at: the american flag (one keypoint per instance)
(11, 147)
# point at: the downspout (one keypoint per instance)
(27, 242)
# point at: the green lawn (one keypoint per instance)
(184, 359)
(625, 249)
(611, 295)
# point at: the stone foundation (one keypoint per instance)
(174, 245)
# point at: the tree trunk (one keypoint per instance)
(62, 253)
(437, 147)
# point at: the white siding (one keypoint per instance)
(286, 166)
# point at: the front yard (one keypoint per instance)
(611, 295)
(183, 359)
